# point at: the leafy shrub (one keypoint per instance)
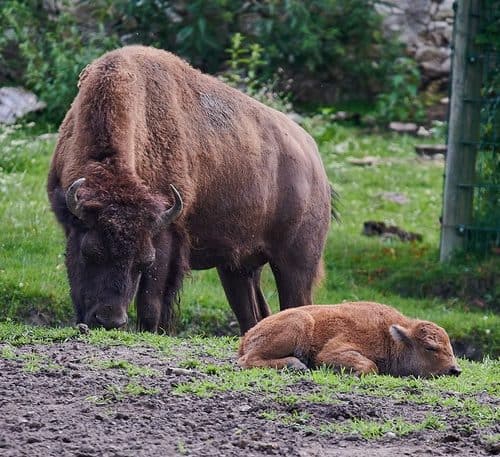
(197, 30)
(339, 41)
(52, 48)
(245, 67)
(335, 41)
(400, 101)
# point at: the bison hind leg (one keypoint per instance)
(242, 288)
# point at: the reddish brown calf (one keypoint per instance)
(363, 337)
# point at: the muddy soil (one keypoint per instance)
(55, 400)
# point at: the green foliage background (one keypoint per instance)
(257, 46)
(339, 41)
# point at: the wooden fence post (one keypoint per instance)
(463, 128)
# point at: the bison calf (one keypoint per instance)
(363, 337)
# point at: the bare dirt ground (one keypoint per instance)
(55, 401)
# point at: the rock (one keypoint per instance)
(367, 161)
(15, 102)
(295, 117)
(425, 27)
(403, 127)
(395, 197)
(376, 228)
(430, 149)
(83, 328)
(47, 136)
(431, 54)
(436, 69)
(346, 116)
(493, 448)
(181, 371)
(353, 437)
(422, 131)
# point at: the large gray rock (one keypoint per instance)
(15, 102)
(425, 27)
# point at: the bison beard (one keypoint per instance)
(160, 169)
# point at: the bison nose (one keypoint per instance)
(455, 370)
(109, 323)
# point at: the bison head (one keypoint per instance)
(426, 350)
(114, 231)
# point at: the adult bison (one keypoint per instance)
(160, 169)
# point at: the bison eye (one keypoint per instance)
(431, 348)
(92, 248)
(147, 261)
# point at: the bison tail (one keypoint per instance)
(334, 204)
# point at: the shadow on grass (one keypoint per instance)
(413, 270)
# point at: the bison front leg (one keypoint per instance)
(149, 299)
(342, 355)
(153, 295)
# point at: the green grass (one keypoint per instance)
(117, 393)
(460, 296)
(376, 429)
(130, 369)
(293, 397)
(32, 361)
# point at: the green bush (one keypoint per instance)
(245, 67)
(400, 101)
(197, 30)
(339, 41)
(51, 47)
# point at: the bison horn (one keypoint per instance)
(171, 214)
(72, 198)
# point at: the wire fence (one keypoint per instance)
(479, 224)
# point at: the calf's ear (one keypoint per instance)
(400, 334)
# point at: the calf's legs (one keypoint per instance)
(279, 342)
(337, 354)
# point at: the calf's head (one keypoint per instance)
(425, 350)
(113, 229)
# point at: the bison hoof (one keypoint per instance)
(83, 328)
(296, 365)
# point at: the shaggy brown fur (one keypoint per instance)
(252, 183)
(363, 337)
